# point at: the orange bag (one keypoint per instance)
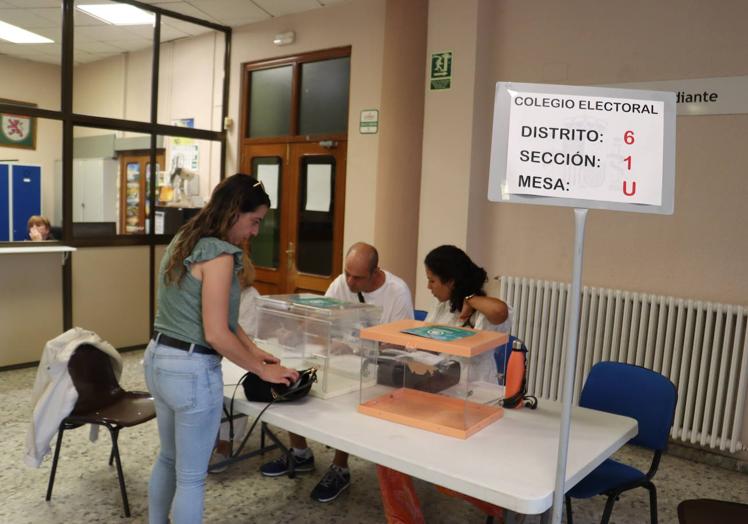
(515, 392)
(401, 505)
(491, 510)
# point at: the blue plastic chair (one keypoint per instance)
(419, 314)
(636, 392)
(501, 356)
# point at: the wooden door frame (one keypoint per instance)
(291, 141)
(144, 158)
(125, 158)
(291, 155)
(278, 275)
(307, 280)
(295, 61)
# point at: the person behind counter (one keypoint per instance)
(196, 325)
(39, 228)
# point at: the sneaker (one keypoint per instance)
(332, 484)
(279, 466)
(216, 458)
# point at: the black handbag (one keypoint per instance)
(258, 390)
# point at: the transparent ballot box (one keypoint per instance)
(306, 330)
(433, 377)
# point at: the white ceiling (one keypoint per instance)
(95, 40)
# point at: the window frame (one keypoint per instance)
(295, 61)
(152, 127)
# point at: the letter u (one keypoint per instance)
(633, 188)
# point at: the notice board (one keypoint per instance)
(583, 147)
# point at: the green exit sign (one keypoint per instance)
(441, 70)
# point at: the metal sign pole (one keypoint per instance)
(572, 328)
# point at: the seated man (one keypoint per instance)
(362, 281)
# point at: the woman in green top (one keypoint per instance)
(196, 324)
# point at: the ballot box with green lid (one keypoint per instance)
(306, 330)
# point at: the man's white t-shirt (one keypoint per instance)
(393, 297)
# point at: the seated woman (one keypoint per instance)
(457, 283)
(38, 228)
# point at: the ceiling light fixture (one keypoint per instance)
(15, 34)
(119, 14)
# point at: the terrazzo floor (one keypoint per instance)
(86, 487)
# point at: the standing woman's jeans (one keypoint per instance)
(188, 392)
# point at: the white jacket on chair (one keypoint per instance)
(54, 395)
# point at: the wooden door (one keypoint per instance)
(300, 244)
(134, 189)
(268, 163)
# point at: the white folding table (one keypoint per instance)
(510, 463)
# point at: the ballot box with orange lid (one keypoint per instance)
(434, 377)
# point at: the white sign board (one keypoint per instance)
(585, 147)
(369, 122)
(702, 96)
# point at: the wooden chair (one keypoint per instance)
(709, 511)
(101, 401)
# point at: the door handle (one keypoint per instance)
(289, 259)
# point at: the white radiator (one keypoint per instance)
(700, 346)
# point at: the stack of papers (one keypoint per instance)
(423, 357)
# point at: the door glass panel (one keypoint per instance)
(190, 75)
(105, 187)
(270, 102)
(265, 246)
(191, 171)
(113, 65)
(324, 96)
(34, 79)
(316, 206)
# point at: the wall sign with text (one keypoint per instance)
(702, 96)
(369, 122)
(585, 147)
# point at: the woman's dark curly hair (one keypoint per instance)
(451, 264)
(234, 195)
